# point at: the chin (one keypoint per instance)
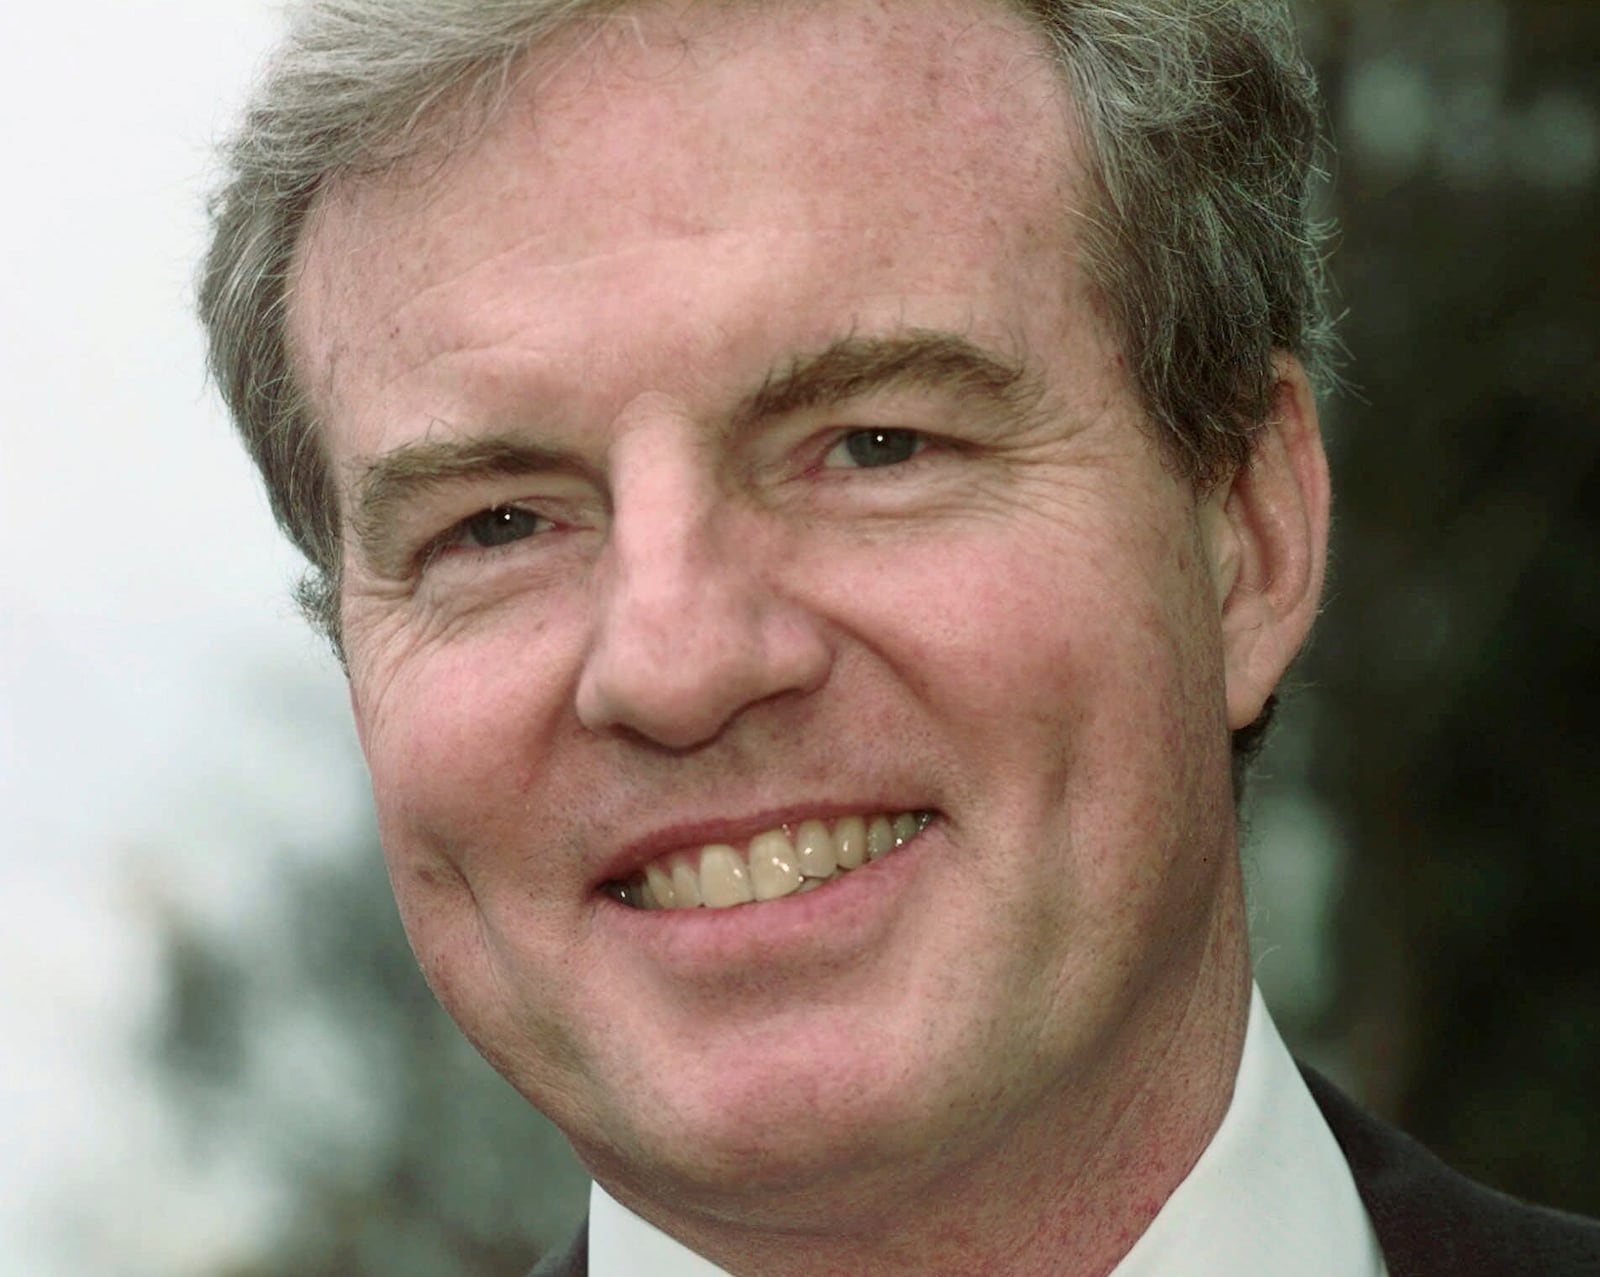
(785, 1140)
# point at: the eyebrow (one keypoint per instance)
(849, 368)
(855, 366)
(387, 484)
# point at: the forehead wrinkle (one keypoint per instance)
(591, 91)
(436, 333)
(500, 264)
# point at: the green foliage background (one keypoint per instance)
(1454, 682)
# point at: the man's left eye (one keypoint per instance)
(501, 526)
(869, 449)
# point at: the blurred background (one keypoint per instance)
(216, 1057)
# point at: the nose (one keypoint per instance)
(691, 628)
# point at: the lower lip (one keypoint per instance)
(847, 914)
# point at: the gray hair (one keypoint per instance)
(1201, 129)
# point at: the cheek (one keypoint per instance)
(1075, 681)
(456, 733)
(1037, 625)
(429, 784)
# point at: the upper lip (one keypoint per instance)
(692, 834)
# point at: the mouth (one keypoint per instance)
(785, 861)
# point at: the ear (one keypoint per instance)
(1266, 529)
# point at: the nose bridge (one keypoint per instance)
(664, 555)
(689, 625)
(663, 547)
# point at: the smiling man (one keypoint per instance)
(814, 500)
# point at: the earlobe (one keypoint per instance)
(1268, 539)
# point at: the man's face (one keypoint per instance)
(728, 441)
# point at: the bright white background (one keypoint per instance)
(143, 623)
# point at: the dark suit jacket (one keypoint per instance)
(1431, 1222)
(1434, 1222)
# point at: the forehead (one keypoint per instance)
(906, 139)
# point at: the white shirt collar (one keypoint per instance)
(1270, 1195)
(623, 1245)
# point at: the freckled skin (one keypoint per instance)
(1026, 629)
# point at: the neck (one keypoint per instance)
(1064, 1191)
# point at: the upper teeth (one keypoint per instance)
(777, 862)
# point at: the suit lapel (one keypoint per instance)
(1432, 1221)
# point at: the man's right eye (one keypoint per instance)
(501, 525)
